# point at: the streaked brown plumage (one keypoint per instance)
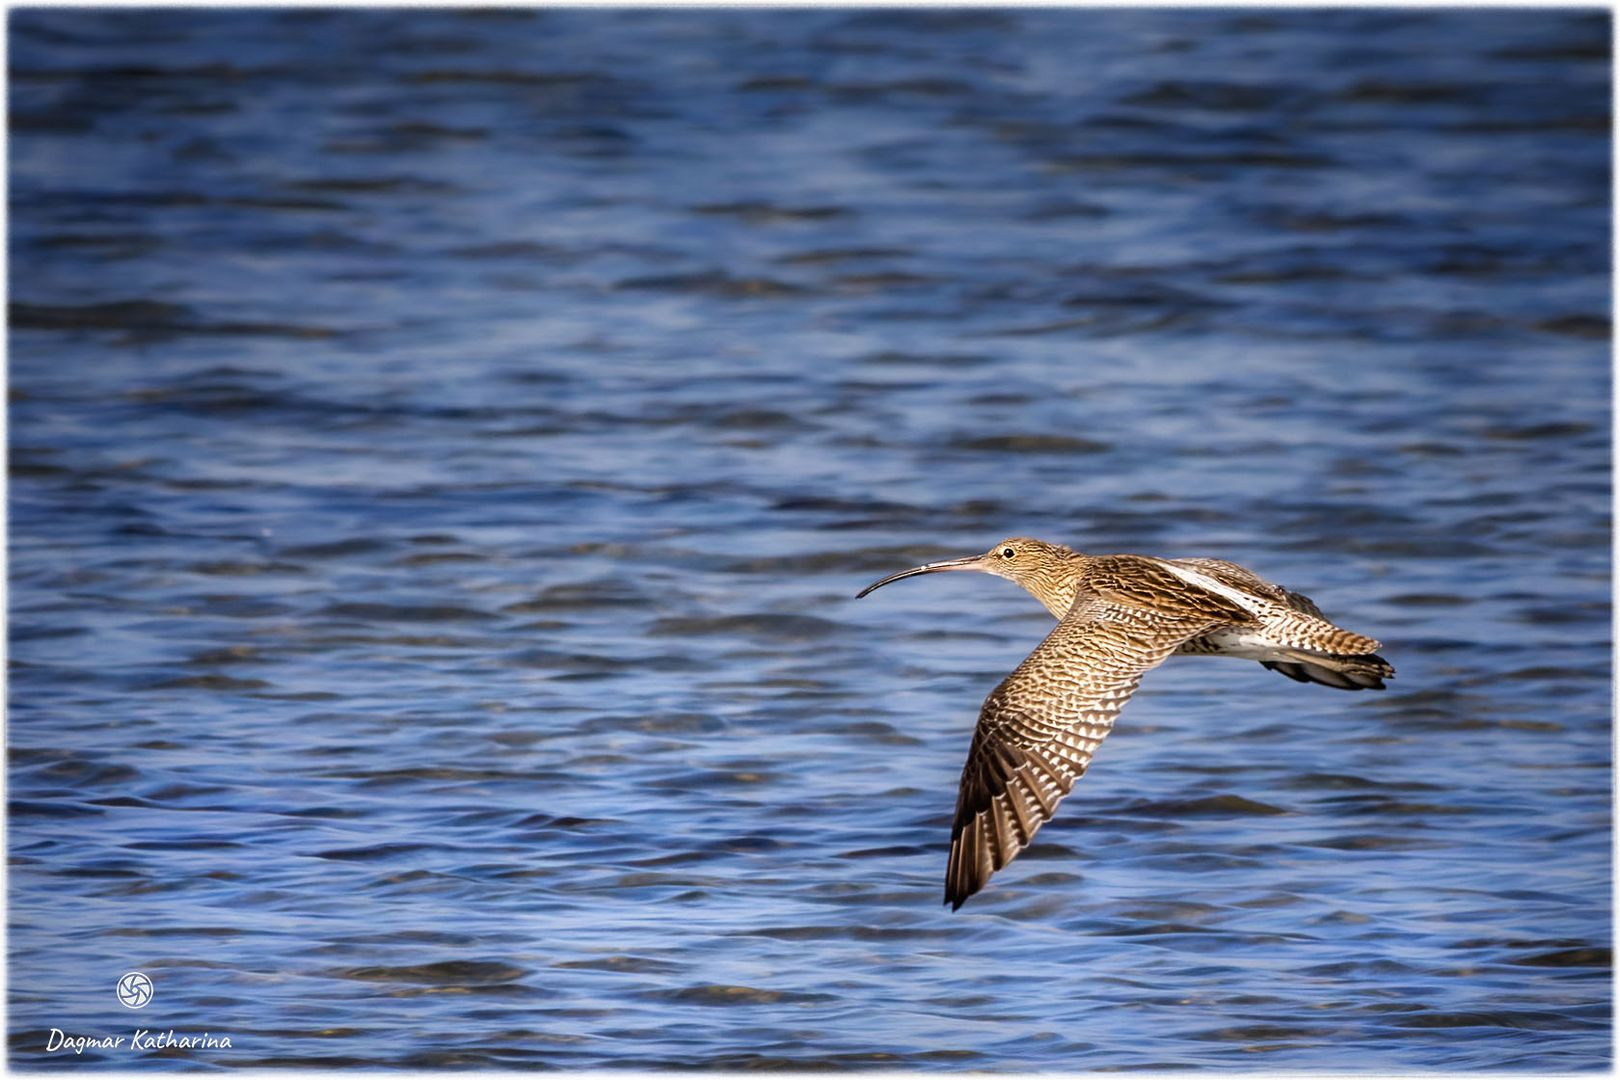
(1119, 616)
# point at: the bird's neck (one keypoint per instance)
(1055, 585)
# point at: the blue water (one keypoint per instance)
(445, 447)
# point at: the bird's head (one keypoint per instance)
(1036, 565)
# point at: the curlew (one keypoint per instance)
(1119, 616)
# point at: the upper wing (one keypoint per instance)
(1160, 586)
(1038, 729)
(1230, 573)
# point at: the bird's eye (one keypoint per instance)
(1007, 553)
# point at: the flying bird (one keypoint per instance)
(1119, 616)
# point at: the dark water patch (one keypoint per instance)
(1345, 781)
(717, 284)
(678, 858)
(146, 318)
(1521, 1019)
(378, 777)
(745, 844)
(1105, 324)
(437, 558)
(191, 844)
(583, 596)
(565, 822)
(775, 83)
(423, 641)
(1164, 929)
(113, 315)
(508, 77)
(1549, 672)
(1191, 165)
(280, 203)
(1563, 614)
(595, 664)
(757, 420)
(927, 360)
(84, 772)
(48, 122)
(849, 933)
(760, 626)
(1376, 842)
(822, 256)
(1210, 806)
(106, 245)
(119, 74)
(234, 568)
(730, 995)
(1429, 600)
(1263, 1033)
(633, 964)
(116, 200)
(1029, 444)
(1129, 294)
(1538, 431)
(24, 808)
(763, 213)
(879, 91)
(1212, 96)
(210, 682)
(1595, 48)
(1591, 122)
(445, 973)
(335, 548)
(507, 249)
(893, 851)
(1059, 209)
(881, 280)
(374, 612)
(1305, 272)
(1383, 92)
(206, 932)
(419, 130)
(374, 852)
(372, 185)
(1383, 804)
(1583, 957)
(710, 779)
(182, 792)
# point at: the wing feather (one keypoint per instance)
(1154, 584)
(1038, 730)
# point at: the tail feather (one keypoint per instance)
(1364, 672)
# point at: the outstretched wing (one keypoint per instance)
(1038, 729)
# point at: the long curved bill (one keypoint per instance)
(972, 562)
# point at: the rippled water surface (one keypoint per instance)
(445, 447)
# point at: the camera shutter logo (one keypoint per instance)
(135, 991)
